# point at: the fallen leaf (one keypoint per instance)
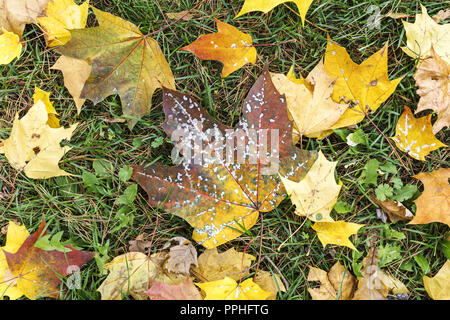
(397, 15)
(433, 79)
(229, 289)
(441, 15)
(338, 280)
(315, 195)
(129, 274)
(183, 15)
(364, 87)
(438, 287)
(395, 210)
(139, 244)
(415, 136)
(213, 265)
(270, 283)
(267, 5)
(34, 146)
(75, 72)
(181, 256)
(336, 232)
(124, 62)
(15, 14)
(433, 205)
(424, 34)
(38, 273)
(185, 290)
(44, 96)
(218, 196)
(15, 237)
(229, 45)
(313, 112)
(60, 17)
(375, 284)
(10, 46)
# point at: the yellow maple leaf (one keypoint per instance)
(34, 146)
(438, 287)
(10, 47)
(229, 289)
(433, 205)
(129, 274)
(15, 237)
(315, 195)
(267, 5)
(365, 86)
(424, 34)
(336, 232)
(313, 111)
(44, 96)
(415, 135)
(229, 45)
(75, 72)
(60, 17)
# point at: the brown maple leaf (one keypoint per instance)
(221, 190)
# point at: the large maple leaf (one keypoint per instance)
(217, 197)
(38, 273)
(124, 62)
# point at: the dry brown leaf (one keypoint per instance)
(330, 283)
(433, 79)
(269, 283)
(181, 256)
(441, 15)
(183, 15)
(216, 266)
(395, 210)
(185, 290)
(15, 14)
(139, 244)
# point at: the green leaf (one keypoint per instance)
(405, 193)
(342, 207)
(47, 244)
(89, 179)
(102, 167)
(360, 137)
(397, 182)
(444, 246)
(342, 132)
(384, 191)
(423, 263)
(407, 266)
(370, 172)
(125, 173)
(128, 196)
(157, 142)
(357, 266)
(389, 167)
(389, 253)
(390, 233)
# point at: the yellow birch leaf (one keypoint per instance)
(229, 45)
(415, 135)
(34, 146)
(267, 5)
(438, 287)
(228, 289)
(336, 232)
(15, 237)
(424, 34)
(75, 72)
(315, 195)
(364, 87)
(313, 112)
(10, 47)
(60, 17)
(44, 96)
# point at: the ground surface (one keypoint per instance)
(89, 217)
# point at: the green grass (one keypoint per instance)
(88, 216)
